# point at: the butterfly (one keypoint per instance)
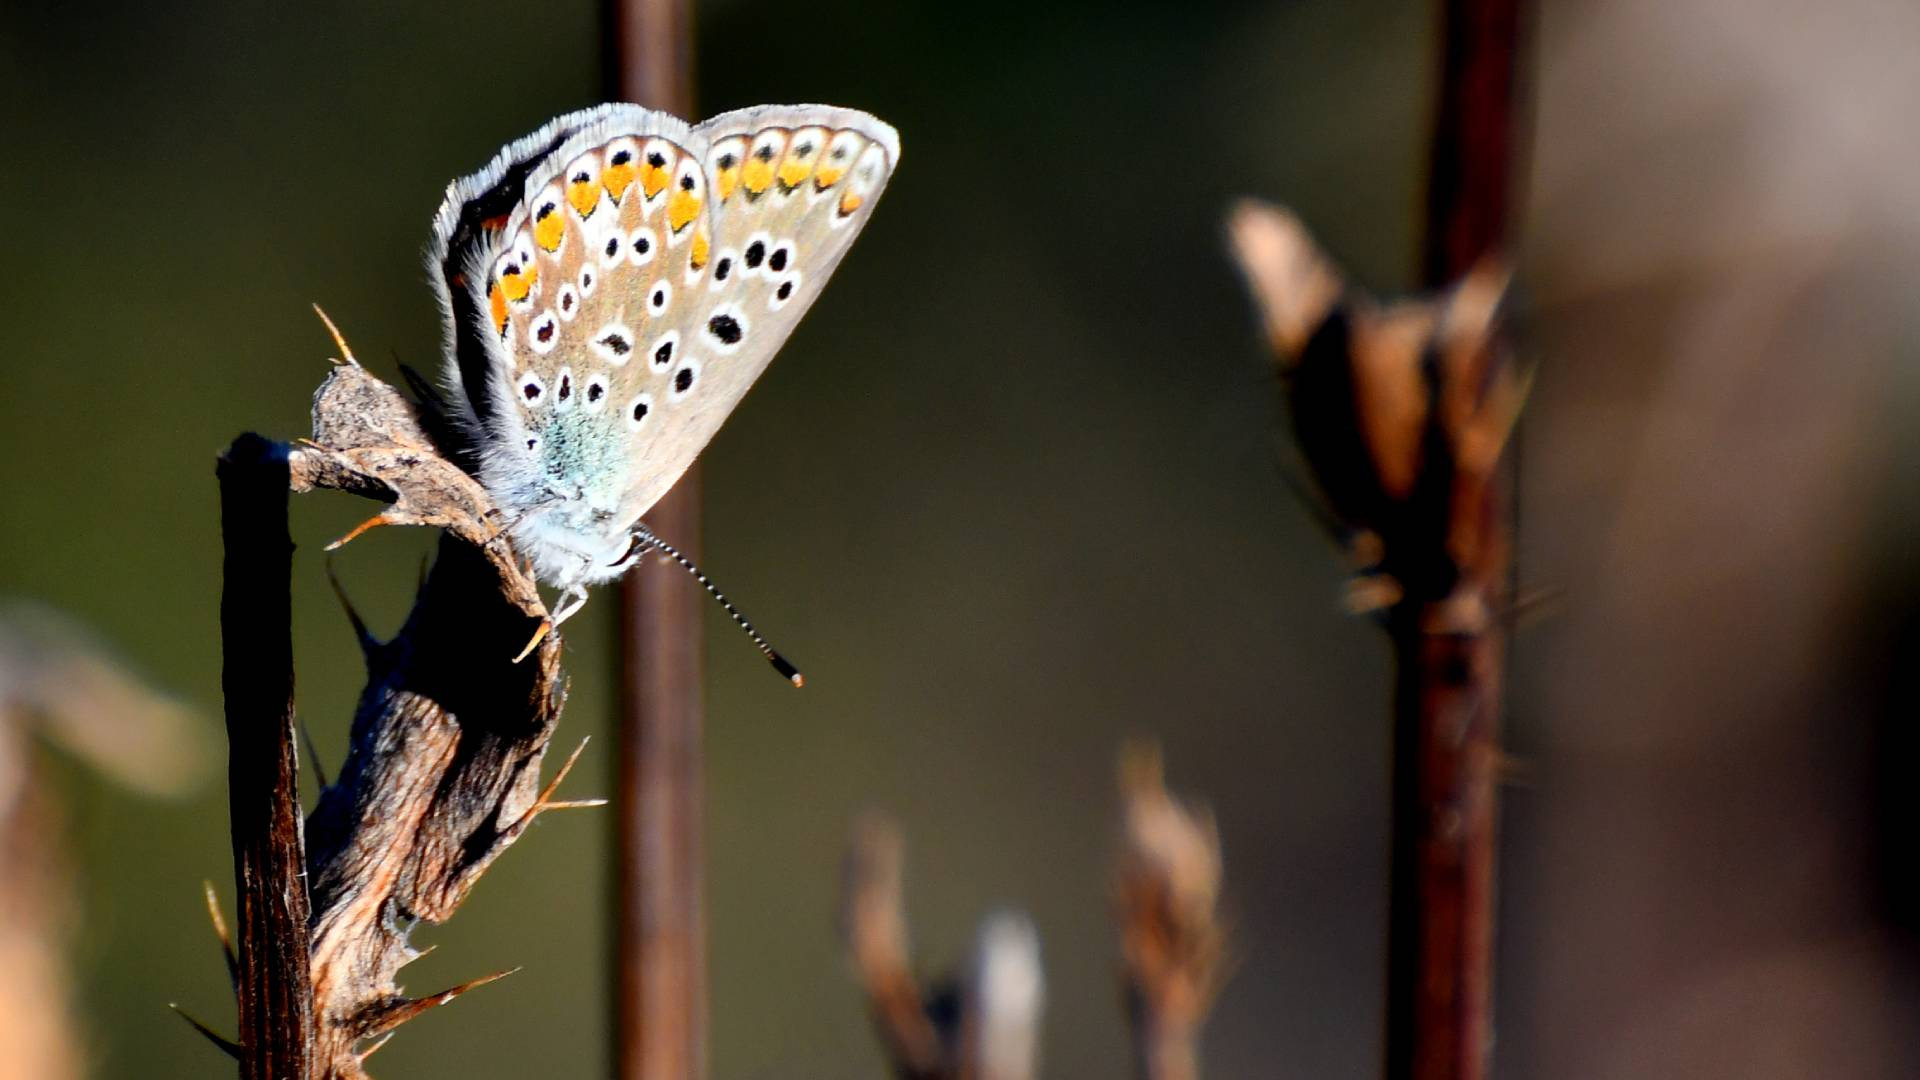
(611, 285)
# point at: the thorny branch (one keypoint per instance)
(443, 772)
(1402, 412)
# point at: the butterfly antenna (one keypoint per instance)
(644, 540)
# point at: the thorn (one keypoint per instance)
(573, 804)
(375, 1048)
(546, 626)
(368, 643)
(546, 801)
(313, 756)
(346, 354)
(226, 938)
(372, 522)
(566, 767)
(227, 1046)
(386, 1020)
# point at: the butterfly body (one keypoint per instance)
(612, 285)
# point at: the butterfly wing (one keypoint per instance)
(608, 319)
(781, 217)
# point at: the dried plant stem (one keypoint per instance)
(1167, 889)
(274, 984)
(1447, 698)
(1445, 766)
(982, 1025)
(661, 916)
(443, 771)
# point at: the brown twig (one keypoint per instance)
(256, 628)
(1167, 888)
(443, 771)
(1402, 413)
(984, 1026)
(874, 925)
(661, 912)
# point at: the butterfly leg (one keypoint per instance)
(572, 601)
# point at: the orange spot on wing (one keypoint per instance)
(756, 175)
(682, 207)
(701, 248)
(726, 180)
(827, 176)
(583, 196)
(549, 231)
(497, 307)
(850, 202)
(616, 178)
(517, 283)
(793, 171)
(653, 180)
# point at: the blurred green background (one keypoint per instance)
(1014, 493)
(1009, 496)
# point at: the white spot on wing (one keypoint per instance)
(543, 333)
(612, 343)
(638, 410)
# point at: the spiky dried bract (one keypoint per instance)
(1401, 411)
(443, 773)
(1172, 944)
(983, 1025)
(873, 921)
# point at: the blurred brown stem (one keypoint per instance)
(661, 1026)
(981, 1025)
(1447, 693)
(1167, 887)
